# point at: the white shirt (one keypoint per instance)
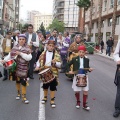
(16, 42)
(48, 58)
(29, 39)
(116, 52)
(8, 42)
(36, 44)
(81, 63)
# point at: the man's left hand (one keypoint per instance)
(18, 53)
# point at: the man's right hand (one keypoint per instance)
(118, 62)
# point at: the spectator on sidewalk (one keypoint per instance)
(110, 44)
(102, 45)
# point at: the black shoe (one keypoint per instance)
(5, 78)
(31, 77)
(116, 113)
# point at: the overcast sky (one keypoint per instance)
(44, 6)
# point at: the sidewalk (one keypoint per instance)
(98, 52)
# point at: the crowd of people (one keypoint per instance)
(47, 54)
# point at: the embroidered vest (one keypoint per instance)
(22, 65)
(55, 56)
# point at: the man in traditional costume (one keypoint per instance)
(33, 42)
(73, 50)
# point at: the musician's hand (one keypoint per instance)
(36, 69)
(91, 69)
(71, 72)
(31, 42)
(18, 53)
(2, 61)
(118, 62)
(53, 61)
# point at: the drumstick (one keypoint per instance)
(74, 72)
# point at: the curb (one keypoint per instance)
(103, 55)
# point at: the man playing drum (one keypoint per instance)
(80, 69)
(23, 53)
(73, 50)
(50, 59)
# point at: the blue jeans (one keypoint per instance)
(108, 51)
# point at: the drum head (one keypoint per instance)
(43, 71)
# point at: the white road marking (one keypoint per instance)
(41, 115)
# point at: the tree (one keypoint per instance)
(58, 25)
(25, 26)
(100, 20)
(90, 23)
(85, 4)
(42, 29)
(114, 18)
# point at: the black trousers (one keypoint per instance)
(5, 73)
(117, 101)
(52, 85)
(31, 64)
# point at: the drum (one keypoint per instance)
(81, 80)
(9, 64)
(46, 76)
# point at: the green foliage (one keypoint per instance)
(42, 29)
(84, 4)
(58, 25)
(25, 26)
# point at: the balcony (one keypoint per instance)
(60, 6)
(6, 15)
(60, 12)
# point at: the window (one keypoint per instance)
(112, 4)
(117, 20)
(109, 22)
(0, 13)
(0, 2)
(92, 25)
(103, 23)
(118, 2)
(105, 5)
(97, 24)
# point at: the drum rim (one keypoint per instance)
(43, 71)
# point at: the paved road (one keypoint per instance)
(101, 97)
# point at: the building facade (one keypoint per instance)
(9, 15)
(30, 16)
(17, 13)
(46, 19)
(66, 11)
(107, 13)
